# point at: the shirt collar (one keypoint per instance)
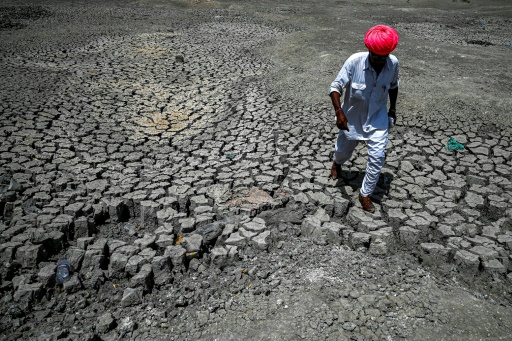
(367, 62)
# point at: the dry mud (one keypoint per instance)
(177, 154)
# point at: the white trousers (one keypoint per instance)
(344, 148)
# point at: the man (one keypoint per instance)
(368, 79)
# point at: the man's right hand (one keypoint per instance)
(341, 120)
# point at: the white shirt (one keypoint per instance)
(365, 100)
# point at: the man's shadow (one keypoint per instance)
(354, 180)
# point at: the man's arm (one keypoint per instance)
(393, 95)
(336, 91)
(341, 119)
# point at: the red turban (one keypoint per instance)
(381, 39)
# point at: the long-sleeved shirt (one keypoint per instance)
(365, 100)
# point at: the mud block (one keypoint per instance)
(148, 213)
(434, 254)
(409, 236)
(494, 266)
(8, 251)
(359, 240)
(117, 265)
(341, 206)
(467, 261)
(262, 241)
(134, 264)
(131, 297)
(46, 275)
(82, 228)
(236, 239)
(162, 267)
(333, 232)
(378, 247)
(30, 255)
(83, 243)
(143, 279)
(105, 323)
(309, 225)
(94, 259)
(73, 284)
(485, 253)
(193, 242)
(75, 256)
(219, 257)
(169, 215)
(177, 255)
(165, 240)
(27, 294)
(117, 210)
(147, 241)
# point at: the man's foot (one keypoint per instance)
(366, 204)
(335, 170)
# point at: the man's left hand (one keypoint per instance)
(392, 113)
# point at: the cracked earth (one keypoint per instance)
(177, 154)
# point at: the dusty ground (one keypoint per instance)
(177, 153)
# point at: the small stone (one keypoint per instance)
(349, 326)
(162, 267)
(408, 235)
(47, 275)
(128, 250)
(506, 241)
(491, 232)
(134, 264)
(193, 242)
(202, 317)
(131, 297)
(396, 217)
(75, 256)
(255, 226)
(93, 259)
(309, 225)
(165, 240)
(236, 239)
(126, 325)
(262, 240)
(105, 323)
(117, 265)
(474, 200)
(246, 234)
(74, 284)
(26, 294)
(148, 213)
(148, 254)
(143, 279)
(434, 254)
(100, 244)
(146, 241)
(177, 255)
(210, 232)
(360, 240)
(484, 253)
(378, 247)
(333, 232)
(219, 257)
(322, 215)
(494, 265)
(30, 255)
(84, 242)
(82, 228)
(166, 228)
(467, 260)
